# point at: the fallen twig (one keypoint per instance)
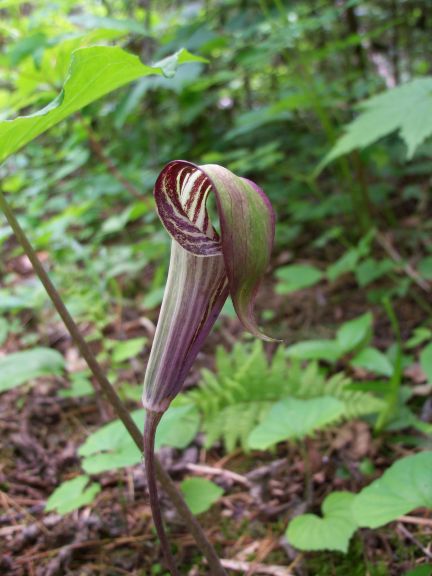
(219, 472)
(245, 567)
(415, 520)
(407, 534)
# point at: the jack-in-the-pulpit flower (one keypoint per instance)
(205, 268)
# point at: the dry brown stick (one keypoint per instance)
(415, 520)
(265, 547)
(219, 472)
(244, 567)
(405, 533)
(22, 510)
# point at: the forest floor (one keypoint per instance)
(40, 433)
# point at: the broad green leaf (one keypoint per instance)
(292, 418)
(328, 350)
(72, 494)
(406, 109)
(111, 443)
(331, 532)
(178, 427)
(373, 360)
(128, 349)
(117, 457)
(296, 277)
(153, 298)
(405, 486)
(425, 267)
(370, 270)
(355, 332)
(20, 367)
(93, 72)
(28, 46)
(19, 300)
(200, 494)
(80, 386)
(426, 361)
(111, 447)
(346, 263)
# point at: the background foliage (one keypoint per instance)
(328, 106)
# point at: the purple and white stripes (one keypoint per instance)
(181, 192)
(204, 269)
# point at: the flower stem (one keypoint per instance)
(151, 422)
(216, 568)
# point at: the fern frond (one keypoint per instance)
(357, 403)
(236, 398)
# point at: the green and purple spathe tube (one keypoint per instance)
(204, 269)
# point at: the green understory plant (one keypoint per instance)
(352, 345)
(405, 486)
(406, 109)
(235, 405)
(246, 386)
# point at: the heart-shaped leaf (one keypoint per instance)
(406, 485)
(332, 532)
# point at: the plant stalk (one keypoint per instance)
(216, 568)
(151, 422)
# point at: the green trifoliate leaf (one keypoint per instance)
(93, 73)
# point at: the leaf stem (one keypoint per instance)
(216, 568)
